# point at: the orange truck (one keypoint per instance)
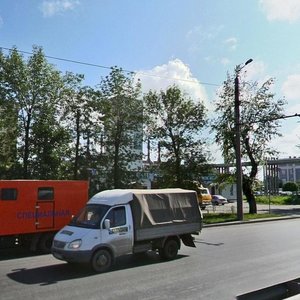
(32, 211)
(204, 197)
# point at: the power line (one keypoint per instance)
(106, 67)
(61, 59)
(271, 119)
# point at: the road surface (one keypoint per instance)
(227, 262)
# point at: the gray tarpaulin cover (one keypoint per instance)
(170, 206)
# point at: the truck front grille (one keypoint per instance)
(59, 244)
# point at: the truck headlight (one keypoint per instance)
(75, 244)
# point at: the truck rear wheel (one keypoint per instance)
(101, 261)
(169, 250)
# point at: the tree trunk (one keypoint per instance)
(76, 162)
(247, 189)
(116, 169)
(26, 145)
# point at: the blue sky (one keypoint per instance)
(196, 41)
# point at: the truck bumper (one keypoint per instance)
(72, 256)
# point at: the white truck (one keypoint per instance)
(119, 222)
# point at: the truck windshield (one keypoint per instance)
(204, 191)
(90, 216)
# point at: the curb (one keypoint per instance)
(252, 221)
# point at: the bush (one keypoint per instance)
(290, 186)
(279, 200)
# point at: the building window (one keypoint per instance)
(298, 175)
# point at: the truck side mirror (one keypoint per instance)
(106, 223)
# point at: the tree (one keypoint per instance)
(81, 116)
(290, 186)
(8, 126)
(175, 121)
(32, 89)
(49, 146)
(259, 122)
(122, 111)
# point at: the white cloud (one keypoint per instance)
(174, 72)
(291, 87)
(199, 36)
(231, 43)
(287, 144)
(282, 10)
(204, 34)
(54, 7)
(225, 61)
(293, 109)
(254, 71)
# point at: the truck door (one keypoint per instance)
(120, 234)
(44, 209)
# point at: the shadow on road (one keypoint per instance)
(17, 252)
(207, 243)
(47, 275)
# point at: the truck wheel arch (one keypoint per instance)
(159, 243)
(102, 259)
(175, 238)
(103, 247)
(170, 248)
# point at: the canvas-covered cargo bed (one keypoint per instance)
(159, 213)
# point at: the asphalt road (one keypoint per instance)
(227, 262)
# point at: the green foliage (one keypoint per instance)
(259, 124)
(223, 218)
(279, 200)
(122, 119)
(53, 127)
(260, 115)
(290, 186)
(81, 113)
(175, 121)
(8, 125)
(31, 89)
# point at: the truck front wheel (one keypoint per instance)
(169, 250)
(101, 261)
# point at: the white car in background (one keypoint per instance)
(218, 200)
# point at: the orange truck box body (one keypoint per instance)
(32, 206)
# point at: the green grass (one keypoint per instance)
(278, 200)
(213, 218)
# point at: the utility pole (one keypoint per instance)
(239, 171)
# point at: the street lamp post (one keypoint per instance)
(239, 172)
